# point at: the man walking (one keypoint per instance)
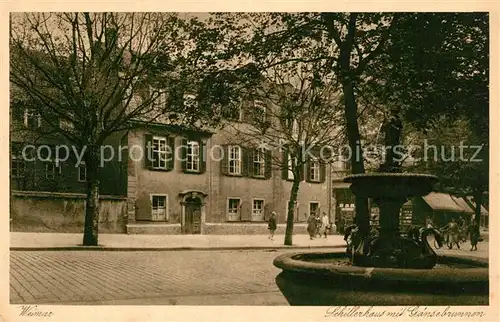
(453, 232)
(325, 224)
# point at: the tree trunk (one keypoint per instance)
(478, 199)
(91, 230)
(289, 218)
(354, 138)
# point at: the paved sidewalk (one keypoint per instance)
(123, 242)
(59, 241)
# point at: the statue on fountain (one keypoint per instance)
(393, 188)
(392, 129)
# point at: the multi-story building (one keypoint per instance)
(208, 184)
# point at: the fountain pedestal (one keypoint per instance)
(389, 216)
(390, 191)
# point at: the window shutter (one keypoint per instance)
(249, 158)
(322, 172)
(243, 112)
(224, 163)
(148, 151)
(246, 112)
(203, 157)
(171, 156)
(307, 165)
(184, 154)
(268, 164)
(245, 156)
(284, 170)
(143, 209)
(246, 211)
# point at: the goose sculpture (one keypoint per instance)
(413, 251)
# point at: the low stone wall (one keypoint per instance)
(63, 212)
(248, 229)
(154, 229)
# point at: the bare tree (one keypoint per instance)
(291, 123)
(89, 75)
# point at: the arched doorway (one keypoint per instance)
(193, 212)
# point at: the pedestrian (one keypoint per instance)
(311, 226)
(474, 235)
(462, 227)
(325, 224)
(272, 225)
(453, 233)
(318, 225)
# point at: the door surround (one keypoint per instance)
(195, 194)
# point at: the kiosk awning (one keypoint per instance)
(442, 202)
(463, 205)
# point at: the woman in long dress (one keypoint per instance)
(474, 235)
(311, 226)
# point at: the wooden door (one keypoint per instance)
(192, 222)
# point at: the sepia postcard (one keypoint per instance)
(300, 161)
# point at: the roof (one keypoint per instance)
(463, 204)
(442, 202)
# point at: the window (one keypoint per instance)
(233, 209)
(314, 208)
(193, 156)
(51, 168)
(234, 160)
(159, 152)
(258, 210)
(314, 170)
(259, 169)
(290, 172)
(231, 113)
(17, 167)
(259, 112)
(159, 208)
(82, 172)
(296, 214)
(32, 119)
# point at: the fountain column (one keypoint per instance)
(389, 215)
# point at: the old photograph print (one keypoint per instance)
(336, 159)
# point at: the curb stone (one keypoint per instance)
(137, 249)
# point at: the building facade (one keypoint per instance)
(48, 180)
(209, 185)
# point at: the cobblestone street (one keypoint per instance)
(164, 277)
(230, 277)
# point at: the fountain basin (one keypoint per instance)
(323, 279)
(392, 185)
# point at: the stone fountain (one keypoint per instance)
(387, 269)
